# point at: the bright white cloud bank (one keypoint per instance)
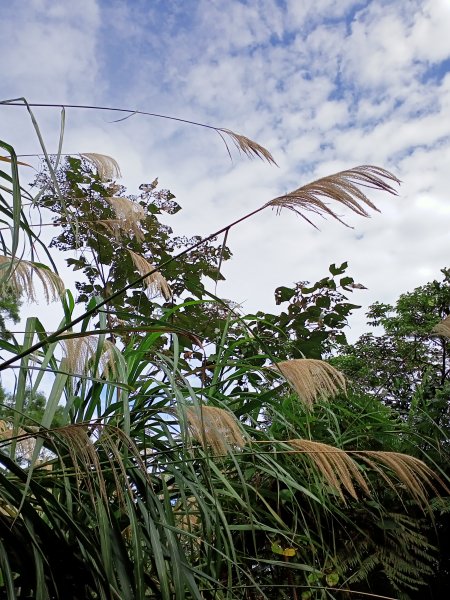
(324, 84)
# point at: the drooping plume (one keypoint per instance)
(79, 353)
(107, 167)
(129, 214)
(312, 379)
(215, 427)
(155, 283)
(21, 279)
(341, 187)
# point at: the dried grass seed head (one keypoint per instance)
(214, 427)
(80, 352)
(247, 146)
(129, 214)
(336, 466)
(443, 328)
(413, 474)
(155, 283)
(312, 379)
(25, 441)
(342, 187)
(21, 279)
(107, 167)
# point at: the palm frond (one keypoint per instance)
(215, 427)
(155, 283)
(21, 279)
(342, 187)
(312, 379)
(107, 167)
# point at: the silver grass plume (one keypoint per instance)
(215, 427)
(247, 146)
(443, 328)
(79, 353)
(336, 466)
(107, 167)
(340, 470)
(128, 214)
(412, 473)
(342, 187)
(21, 279)
(312, 379)
(25, 442)
(155, 283)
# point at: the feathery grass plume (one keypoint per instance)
(129, 214)
(83, 442)
(156, 284)
(214, 427)
(21, 279)
(414, 474)
(248, 146)
(443, 328)
(84, 458)
(187, 513)
(80, 351)
(114, 227)
(341, 187)
(312, 379)
(107, 167)
(25, 441)
(336, 466)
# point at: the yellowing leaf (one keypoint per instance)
(8, 160)
(277, 549)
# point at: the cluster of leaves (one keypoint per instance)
(85, 218)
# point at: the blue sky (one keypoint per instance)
(324, 84)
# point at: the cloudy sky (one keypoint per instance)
(324, 84)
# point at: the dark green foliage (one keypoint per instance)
(313, 322)
(103, 257)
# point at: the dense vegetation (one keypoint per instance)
(185, 450)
